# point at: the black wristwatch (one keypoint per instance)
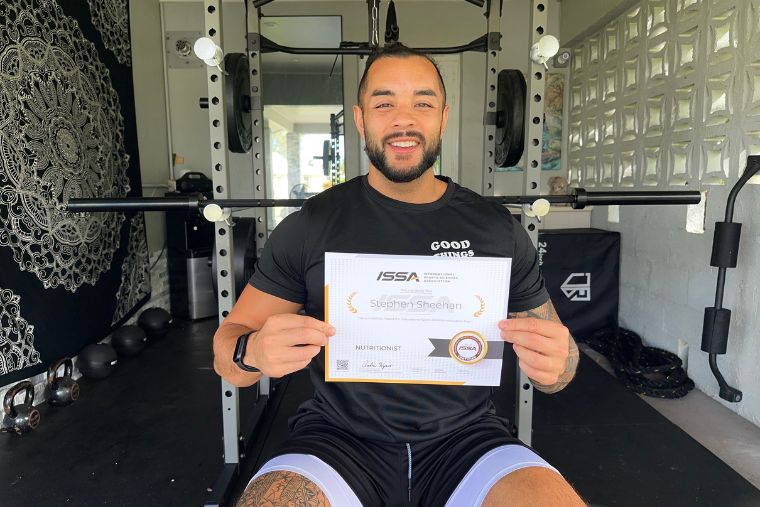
(240, 346)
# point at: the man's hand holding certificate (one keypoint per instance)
(415, 319)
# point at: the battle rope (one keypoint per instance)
(641, 369)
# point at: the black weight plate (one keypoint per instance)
(244, 254)
(326, 156)
(237, 91)
(510, 117)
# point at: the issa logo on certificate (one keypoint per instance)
(415, 319)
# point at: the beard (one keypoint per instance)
(377, 156)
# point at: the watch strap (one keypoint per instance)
(239, 354)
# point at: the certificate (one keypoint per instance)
(415, 319)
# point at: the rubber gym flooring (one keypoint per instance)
(150, 434)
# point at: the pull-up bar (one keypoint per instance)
(365, 48)
(261, 3)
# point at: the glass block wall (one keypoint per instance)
(667, 95)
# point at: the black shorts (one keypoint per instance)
(380, 473)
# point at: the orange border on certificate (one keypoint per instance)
(327, 321)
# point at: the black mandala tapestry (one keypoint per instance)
(67, 130)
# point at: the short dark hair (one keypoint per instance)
(395, 50)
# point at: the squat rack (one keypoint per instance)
(235, 441)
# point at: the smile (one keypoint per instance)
(404, 144)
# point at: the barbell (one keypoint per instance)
(578, 199)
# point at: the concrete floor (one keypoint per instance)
(729, 436)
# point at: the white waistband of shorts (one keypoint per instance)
(492, 466)
(337, 491)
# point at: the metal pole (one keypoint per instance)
(258, 147)
(493, 35)
(223, 233)
(534, 135)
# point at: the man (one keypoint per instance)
(390, 444)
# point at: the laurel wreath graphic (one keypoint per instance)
(348, 302)
(482, 307)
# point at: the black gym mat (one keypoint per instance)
(613, 447)
(150, 434)
(617, 450)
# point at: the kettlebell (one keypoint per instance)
(63, 390)
(21, 418)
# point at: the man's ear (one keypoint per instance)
(445, 118)
(359, 120)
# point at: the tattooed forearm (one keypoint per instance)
(570, 367)
(277, 489)
(548, 312)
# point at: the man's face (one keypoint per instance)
(402, 116)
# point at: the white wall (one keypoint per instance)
(579, 15)
(190, 124)
(685, 77)
(150, 108)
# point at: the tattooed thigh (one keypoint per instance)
(275, 489)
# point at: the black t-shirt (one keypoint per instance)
(355, 218)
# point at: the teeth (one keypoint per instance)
(404, 144)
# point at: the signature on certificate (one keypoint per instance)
(379, 364)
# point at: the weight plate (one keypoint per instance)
(510, 117)
(237, 88)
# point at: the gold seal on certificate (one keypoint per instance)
(468, 347)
